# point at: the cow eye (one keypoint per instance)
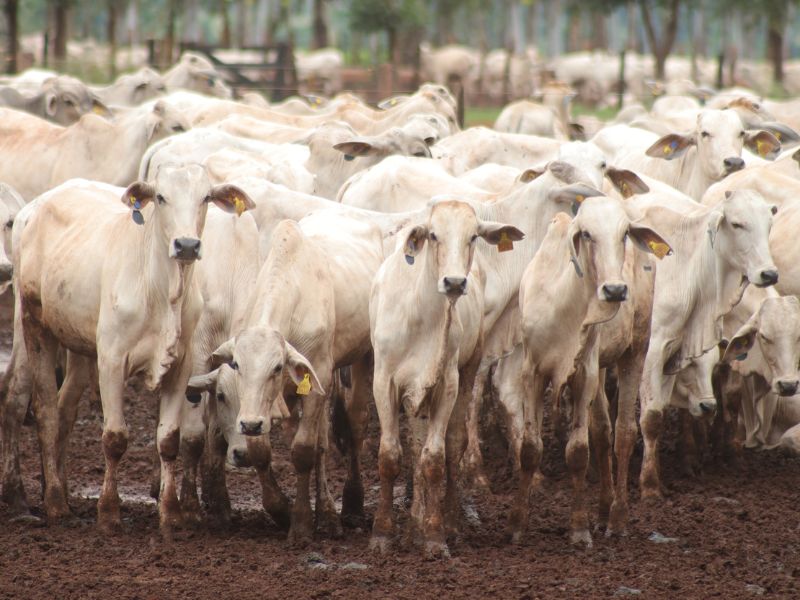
(741, 134)
(705, 134)
(756, 106)
(10, 223)
(603, 165)
(277, 369)
(433, 237)
(160, 199)
(737, 225)
(473, 238)
(420, 154)
(221, 397)
(234, 365)
(586, 235)
(765, 339)
(177, 128)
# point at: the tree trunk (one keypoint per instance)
(225, 38)
(241, 25)
(553, 18)
(60, 11)
(775, 43)
(169, 38)
(662, 48)
(11, 48)
(320, 25)
(600, 32)
(112, 38)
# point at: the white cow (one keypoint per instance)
(143, 329)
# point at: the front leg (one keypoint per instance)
(656, 389)
(193, 434)
(357, 409)
(304, 451)
(389, 457)
(326, 517)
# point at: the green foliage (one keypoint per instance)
(387, 15)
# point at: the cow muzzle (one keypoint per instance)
(6, 271)
(733, 164)
(787, 387)
(767, 277)
(614, 292)
(184, 248)
(254, 426)
(454, 286)
(238, 457)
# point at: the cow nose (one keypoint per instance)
(455, 285)
(769, 277)
(787, 387)
(708, 406)
(6, 271)
(187, 248)
(615, 292)
(732, 164)
(254, 427)
(239, 456)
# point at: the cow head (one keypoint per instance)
(719, 137)
(255, 367)
(773, 332)
(739, 227)
(451, 234)
(164, 120)
(598, 234)
(66, 99)
(394, 141)
(693, 388)
(177, 201)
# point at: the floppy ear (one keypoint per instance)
(574, 234)
(298, 368)
(529, 175)
(99, 108)
(415, 240)
(231, 198)
(50, 104)
(742, 342)
(782, 132)
(763, 143)
(577, 132)
(649, 240)
(672, 145)
(562, 171)
(627, 182)
(138, 194)
(356, 147)
(203, 383)
(223, 354)
(499, 233)
(573, 195)
(714, 222)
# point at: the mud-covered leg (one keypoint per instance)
(17, 386)
(78, 370)
(474, 472)
(214, 487)
(304, 451)
(274, 501)
(656, 390)
(690, 462)
(357, 408)
(600, 431)
(584, 385)
(193, 433)
(389, 458)
(326, 517)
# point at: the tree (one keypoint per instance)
(60, 15)
(660, 48)
(391, 16)
(12, 23)
(320, 25)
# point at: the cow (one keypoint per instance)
(725, 249)
(690, 163)
(289, 346)
(422, 335)
(60, 99)
(196, 73)
(39, 155)
(132, 89)
(144, 329)
(10, 204)
(550, 118)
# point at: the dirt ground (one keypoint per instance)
(736, 534)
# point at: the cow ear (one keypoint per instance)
(627, 182)
(499, 233)
(529, 175)
(230, 198)
(573, 195)
(742, 342)
(763, 143)
(562, 171)
(138, 194)
(415, 240)
(223, 354)
(649, 240)
(203, 383)
(301, 372)
(101, 109)
(356, 147)
(672, 145)
(50, 104)
(782, 132)
(577, 132)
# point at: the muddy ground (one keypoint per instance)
(736, 534)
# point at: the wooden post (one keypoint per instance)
(621, 82)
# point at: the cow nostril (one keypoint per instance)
(186, 247)
(733, 163)
(769, 277)
(615, 292)
(252, 427)
(708, 407)
(455, 284)
(239, 455)
(787, 388)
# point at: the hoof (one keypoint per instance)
(109, 524)
(191, 519)
(651, 494)
(516, 537)
(380, 544)
(299, 536)
(436, 550)
(582, 537)
(329, 525)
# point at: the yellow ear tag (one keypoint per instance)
(579, 198)
(667, 150)
(626, 190)
(304, 387)
(505, 244)
(239, 205)
(132, 200)
(97, 110)
(762, 147)
(659, 249)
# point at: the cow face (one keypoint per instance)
(740, 226)
(451, 235)
(774, 332)
(179, 198)
(598, 234)
(693, 387)
(66, 99)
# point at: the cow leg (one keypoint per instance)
(389, 458)
(78, 370)
(326, 517)
(17, 386)
(155, 464)
(532, 390)
(584, 386)
(193, 431)
(600, 431)
(214, 488)
(432, 465)
(357, 407)
(629, 374)
(274, 501)
(473, 456)
(690, 463)
(42, 347)
(304, 450)
(656, 390)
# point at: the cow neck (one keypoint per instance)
(691, 179)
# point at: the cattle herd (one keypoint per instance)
(253, 263)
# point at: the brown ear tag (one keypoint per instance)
(659, 249)
(304, 387)
(505, 244)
